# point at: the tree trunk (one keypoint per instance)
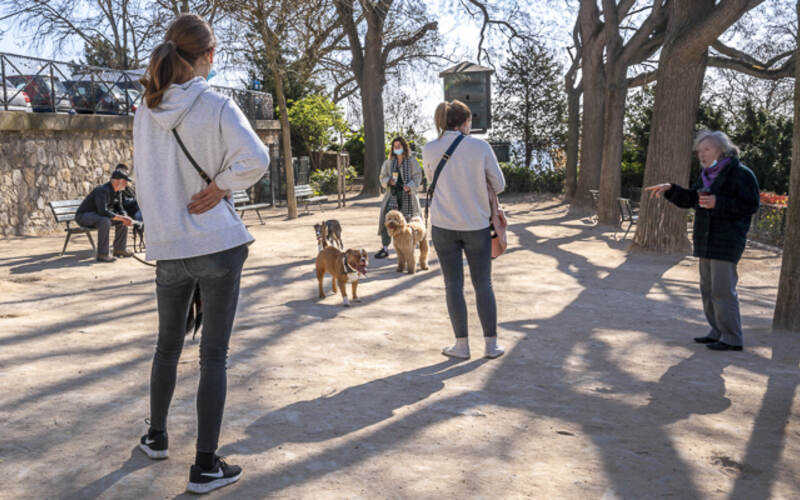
(573, 136)
(681, 69)
(593, 75)
(371, 83)
(286, 145)
(611, 170)
(787, 307)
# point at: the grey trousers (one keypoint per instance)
(477, 245)
(718, 280)
(103, 226)
(219, 275)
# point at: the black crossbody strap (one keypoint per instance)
(439, 168)
(191, 160)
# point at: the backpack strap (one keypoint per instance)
(439, 168)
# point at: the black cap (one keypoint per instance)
(120, 175)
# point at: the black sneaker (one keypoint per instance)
(155, 445)
(203, 481)
(382, 254)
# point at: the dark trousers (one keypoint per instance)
(477, 245)
(718, 280)
(103, 226)
(218, 276)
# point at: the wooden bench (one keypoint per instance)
(64, 211)
(242, 203)
(304, 193)
(626, 214)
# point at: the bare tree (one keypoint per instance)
(293, 35)
(787, 306)
(692, 26)
(574, 91)
(620, 56)
(387, 41)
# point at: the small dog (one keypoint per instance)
(405, 236)
(329, 231)
(344, 267)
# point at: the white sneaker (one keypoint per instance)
(457, 351)
(492, 349)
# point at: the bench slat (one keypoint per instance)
(65, 203)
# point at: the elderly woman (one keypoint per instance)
(724, 198)
(400, 176)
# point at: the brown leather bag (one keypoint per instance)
(499, 225)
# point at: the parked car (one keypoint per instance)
(40, 91)
(18, 100)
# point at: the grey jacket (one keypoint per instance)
(413, 184)
(221, 140)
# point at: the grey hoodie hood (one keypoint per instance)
(177, 101)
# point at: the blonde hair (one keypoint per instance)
(451, 115)
(720, 139)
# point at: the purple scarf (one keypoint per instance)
(710, 174)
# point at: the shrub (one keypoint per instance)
(324, 181)
(527, 180)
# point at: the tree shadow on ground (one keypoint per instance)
(337, 415)
(137, 461)
(50, 260)
(627, 419)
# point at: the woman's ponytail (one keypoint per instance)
(451, 115)
(172, 61)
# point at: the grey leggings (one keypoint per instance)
(218, 275)
(477, 245)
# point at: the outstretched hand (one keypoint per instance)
(206, 199)
(658, 190)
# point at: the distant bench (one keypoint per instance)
(242, 203)
(64, 211)
(304, 193)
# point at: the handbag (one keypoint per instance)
(499, 224)
(439, 167)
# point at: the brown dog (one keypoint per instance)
(405, 236)
(344, 267)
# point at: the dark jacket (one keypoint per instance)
(100, 201)
(721, 233)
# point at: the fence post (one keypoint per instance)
(52, 87)
(3, 70)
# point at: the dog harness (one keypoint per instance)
(352, 274)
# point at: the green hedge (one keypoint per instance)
(324, 181)
(527, 180)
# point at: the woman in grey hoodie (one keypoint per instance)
(191, 228)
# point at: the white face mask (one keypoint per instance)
(398, 152)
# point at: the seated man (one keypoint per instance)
(127, 198)
(97, 211)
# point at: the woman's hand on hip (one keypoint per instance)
(206, 199)
(658, 190)
(406, 189)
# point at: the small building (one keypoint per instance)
(471, 84)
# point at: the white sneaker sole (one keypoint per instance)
(494, 354)
(454, 355)
(154, 454)
(201, 488)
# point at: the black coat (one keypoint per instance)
(721, 233)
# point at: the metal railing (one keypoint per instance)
(43, 85)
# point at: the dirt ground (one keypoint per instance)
(601, 394)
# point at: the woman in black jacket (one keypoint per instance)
(724, 198)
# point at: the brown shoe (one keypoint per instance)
(122, 253)
(105, 258)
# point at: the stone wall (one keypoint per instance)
(46, 157)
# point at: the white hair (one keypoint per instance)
(720, 139)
